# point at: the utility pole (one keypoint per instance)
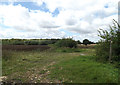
(110, 54)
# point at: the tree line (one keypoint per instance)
(43, 41)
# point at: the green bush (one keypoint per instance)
(28, 42)
(32, 43)
(53, 41)
(44, 43)
(66, 43)
(50, 41)
(102, 51)
(18, 42)
(103, 47)
(79, 42)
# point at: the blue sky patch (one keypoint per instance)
(33, 6)
(4, 26)
(56, 12)
(106, 6)
(6, 3)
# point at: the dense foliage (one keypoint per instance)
(67, 43)
(28, 41)
(86, 42)
(50, 41)
(103, 47)
(31, 42)
(79, 42)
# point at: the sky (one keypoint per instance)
(77, 19)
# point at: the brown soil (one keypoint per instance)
(25, 47)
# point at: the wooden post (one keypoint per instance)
(110, 55)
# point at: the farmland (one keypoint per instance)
(24, 47)
(59, 42)
(52, 64)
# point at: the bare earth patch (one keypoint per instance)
(3, 78)
(40, 76)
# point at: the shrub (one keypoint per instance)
(44, 43)
(50, 41)
(53, 41)
(18, 43)
(66, 43)
(79, 42)
(102, 51)
(103, 47)
(31, 42)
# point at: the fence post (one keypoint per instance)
(110, 54)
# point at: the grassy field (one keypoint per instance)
(57, 65)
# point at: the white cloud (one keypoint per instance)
(21, 18)
(12, 33)
(79, 16)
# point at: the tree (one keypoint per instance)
(79, 42)
(103, 48)
(86, 41)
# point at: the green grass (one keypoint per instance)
(69, 50)
(55, 65)
(22, 64)
(83, 69)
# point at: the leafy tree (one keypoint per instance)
(79, 42)
(90, 42)
(86, 41)
(103, 47)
